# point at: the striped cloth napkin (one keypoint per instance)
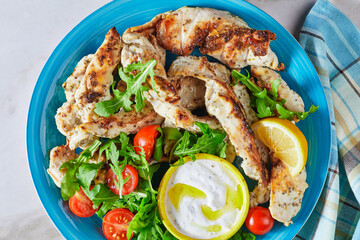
(332, 42)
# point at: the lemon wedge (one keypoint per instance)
(285, 140)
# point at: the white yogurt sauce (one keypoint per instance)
(212, 178)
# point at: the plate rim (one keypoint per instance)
(40, 84)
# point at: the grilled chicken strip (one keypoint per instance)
(179, 116)
(261, 193)
(286, 192)
(95, 86)
(222, 103)
(77, 120)
(73, 81)
(266, 76)
(89, 84)
(61, 154)
(218, 33)
(67, 117)
(190, 90)
(128, 122)
(198, 66)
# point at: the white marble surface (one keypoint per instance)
(30, 30)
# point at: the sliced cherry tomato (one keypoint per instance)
(129, 186)
(81, 205)
(259, 220)
(145, 139)
(116, 224)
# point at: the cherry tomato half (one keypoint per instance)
(259, 220)
(81, 205)
(116, 224)
(129, 186)
(145, 138)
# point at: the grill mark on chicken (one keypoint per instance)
(59, 155)
(261, 193)
(218, 33)
(95, 85)
(286, 192)
(257, 40)
(92, 85)
(73, 81)
(248, 138)
(127, 122)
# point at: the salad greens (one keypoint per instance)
(70, 183)
(211, 142)
(267, 102)
(188, 144)
(241, 235)
(135, 87)
(119, 152)
(158, 151)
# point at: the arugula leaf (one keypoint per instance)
(274, 88)
(263, 109)
(134, 87)
(146, 222)
(261, 94)
(266, 102)
(221, 149)
(171, 133)
(284, 113)
(168, 236)
(131, 201)
(70, 184)
(241, 235)
(101, 195)
(87, 173)
(158, 151)
(113, 154)
(240, 77)
(211, 142)
(171, 136)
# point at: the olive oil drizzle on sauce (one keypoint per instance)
(180, 190)
(211, 228)
(234, 200)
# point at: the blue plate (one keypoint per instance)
(86, 37)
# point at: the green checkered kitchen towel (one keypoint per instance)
(332, 42)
